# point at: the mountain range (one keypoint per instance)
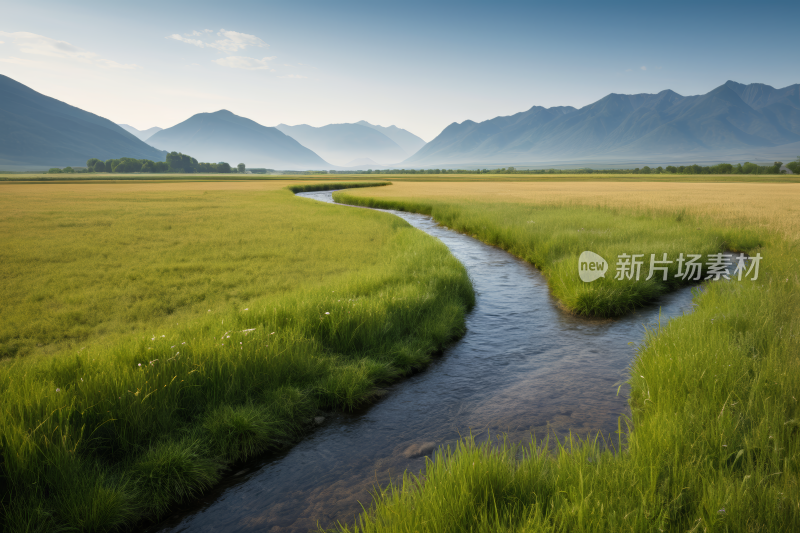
(346, 144)
(142, 135)
(729, 121)
(733, 123)
(404, 138)
(37, 131)
(223, 136)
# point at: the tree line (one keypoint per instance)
(722, 168)
(176, 162)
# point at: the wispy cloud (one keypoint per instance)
(293, 76)
(31, 43)
(231, 41)
(643, 68)
(246, 63)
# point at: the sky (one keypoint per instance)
(418, 65)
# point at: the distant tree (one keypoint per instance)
(240, 168)
(91, 163)
(127, 165)
(179, 162)
(223, 168)
(776, 167)
(148, 167)
(68, 170)
(54, 171)
(671, 169)
(645, 170)
(99, 166)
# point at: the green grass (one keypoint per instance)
(712, 443)
(327, 303)
(81, 262)
(553, 237)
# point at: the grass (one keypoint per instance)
(207, 323)
(712, 443)
(419, 178)
(83, 261)
(550, 225)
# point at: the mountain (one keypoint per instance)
(342, 143)
(37, 131)
(142, 135)
(362, 162)
(733, 120)
(223, 136)
(409, 142)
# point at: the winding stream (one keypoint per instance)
(523, 366)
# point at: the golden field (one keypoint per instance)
(774, 206)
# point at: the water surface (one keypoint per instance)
(523, 366)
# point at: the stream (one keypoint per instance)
(524, 366)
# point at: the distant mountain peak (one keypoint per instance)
(732, 119)
(342, 143)
(225, 136)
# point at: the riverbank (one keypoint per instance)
(99, 435)
(712, 442)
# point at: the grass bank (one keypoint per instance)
(292, 306)
(712, 443)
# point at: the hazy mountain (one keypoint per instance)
(362, 162)
(39, 131)
(142, 135)
(730, 120)
(409, 142)
(342, 143)
(223, 136)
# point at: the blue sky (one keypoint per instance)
(419, 65)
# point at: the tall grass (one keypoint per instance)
(712, 443)
(93, 439)
(553, 237)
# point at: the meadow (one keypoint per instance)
(155, 333)
(712, 443)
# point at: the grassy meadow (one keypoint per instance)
(154, 333)
(712, 443)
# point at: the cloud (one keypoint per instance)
(293, 76)
(234, 41)
(31, 43)
(246, 63)
(196, 42)
(643, 68)
(231, 41)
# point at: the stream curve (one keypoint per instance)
(523, 366)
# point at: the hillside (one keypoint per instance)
(341, 143)
(37, 131)
(223, 136)
(733, 120)
(409, 142)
